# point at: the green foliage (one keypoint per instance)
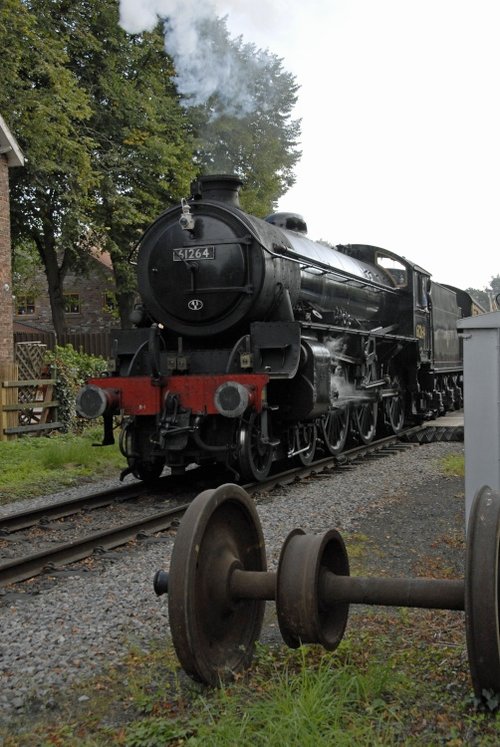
(72, 368)
(156, 732)
(454, 465)
(259, 146)
(26, 268)
(47, 111)
(143, 146)
(107, 142)
(34, 466)
(389, 682)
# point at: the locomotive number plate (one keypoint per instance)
(186, 253)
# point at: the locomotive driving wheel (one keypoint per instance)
(335, 424)
(365, 414)
(394, 407)
(307, 440)
(213, 633)
(256, 453)
(365, 421)
(335, 429)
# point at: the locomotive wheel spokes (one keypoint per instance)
(308, 438)
(302, 617)
(335, 429)
(214, 633)
(365, 421)
(255, 457)
(394, 408)
(482, 593)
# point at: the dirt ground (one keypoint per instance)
(420, 533)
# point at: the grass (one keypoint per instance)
(454, 465)
(395, 679)
(35, 466)
(398, 677)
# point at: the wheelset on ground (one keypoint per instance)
(218, 584)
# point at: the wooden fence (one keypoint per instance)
(92, 343)
(34, 413)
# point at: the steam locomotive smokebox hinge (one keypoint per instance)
(276, 348)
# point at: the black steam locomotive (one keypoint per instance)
(255, 344)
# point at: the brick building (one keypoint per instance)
(90, 304)
(10, 156)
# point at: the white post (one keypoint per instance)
(481, 336)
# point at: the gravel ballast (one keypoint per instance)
(57, 633)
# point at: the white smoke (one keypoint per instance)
(203, 68)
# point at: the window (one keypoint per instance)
(109, 304)
(71, 303)
(421, 295)
(395, 269)
(25, 305)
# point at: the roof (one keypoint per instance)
(491, 320)
(9, 146)
(103, 257)
(28, 328)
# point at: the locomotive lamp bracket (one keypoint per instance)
(186, 221)
(218, 584)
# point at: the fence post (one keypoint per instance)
(8, 396)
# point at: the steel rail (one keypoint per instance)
(28, 566)
(34, 564)
(23, 519)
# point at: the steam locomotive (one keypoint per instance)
(253, 344)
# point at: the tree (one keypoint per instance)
(44, 106)
(487, 297)
(110, 144)
(480, 296)
(143, 152)
(256, 139)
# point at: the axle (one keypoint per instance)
(393, 592)
(430, 593)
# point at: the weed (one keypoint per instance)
(454, 465)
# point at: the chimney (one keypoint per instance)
(219, 187)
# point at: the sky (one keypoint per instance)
(400, 109)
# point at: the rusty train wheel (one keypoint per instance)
(213, 634)
(482, 593)
(301, 616)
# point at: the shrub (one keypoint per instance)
(73, 368)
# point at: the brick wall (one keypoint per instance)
(91, 289)
(6, 307)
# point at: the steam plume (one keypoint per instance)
(203, 67)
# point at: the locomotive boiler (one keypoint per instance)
(253, 344)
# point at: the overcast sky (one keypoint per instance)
(400, 111)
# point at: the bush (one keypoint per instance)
(73, 368)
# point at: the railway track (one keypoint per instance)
(59, 554)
